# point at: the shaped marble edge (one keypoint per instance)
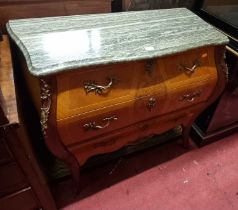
(24, 32)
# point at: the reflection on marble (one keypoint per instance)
(78, 44)
(54, 44)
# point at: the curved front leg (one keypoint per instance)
(50, 132)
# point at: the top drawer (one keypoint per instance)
(104, 86)
(189, 68)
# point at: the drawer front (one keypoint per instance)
(91, 89)
(12, 179)
(96, 123)
(190, 67)
(186, 96)
(5, 154)
(24, 199)
(126, 136)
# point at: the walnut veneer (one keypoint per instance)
(133, 100)
(164, 83)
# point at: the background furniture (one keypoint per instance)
(221, 118)
(22, 185)
(155, 4)
(15, 9)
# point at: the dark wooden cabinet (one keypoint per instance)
(221, 118)
(23, 199)
(21, 184)
(15, 9)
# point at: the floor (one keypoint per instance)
(166, 177)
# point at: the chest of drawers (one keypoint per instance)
(100, 82)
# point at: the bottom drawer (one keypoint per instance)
(21, 200)
(117, 139)
(5, 154)
(11, 179)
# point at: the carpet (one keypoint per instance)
(165, 177)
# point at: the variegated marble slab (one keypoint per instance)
(55, 44)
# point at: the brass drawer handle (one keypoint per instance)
(94, 126)
(98, 89)
(191, 96)
(192, 69)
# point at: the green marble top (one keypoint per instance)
(55, 44)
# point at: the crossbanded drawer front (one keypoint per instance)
(98, 122)
(132, 134)
(131, 92)
(189, 95)
(93, 88)
(189, 67)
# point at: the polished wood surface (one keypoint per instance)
(131, 134)
(175, 110)
(15, 9)
(164, 82)
(126, 113)
(73, 99)
(177, 76)
(222, 78)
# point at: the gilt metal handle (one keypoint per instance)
(95, 126)
(191, 96)
(98, 89)
(192, 69)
